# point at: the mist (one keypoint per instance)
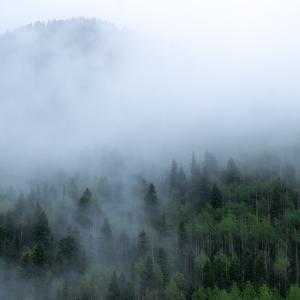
(81, 86)
(150, 154)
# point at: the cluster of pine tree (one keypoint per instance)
(210, 233)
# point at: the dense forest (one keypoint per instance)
(201, 231)
(80, 222)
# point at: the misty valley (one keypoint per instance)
(107, 188)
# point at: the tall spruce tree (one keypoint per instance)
(113, 288)
(41, 230)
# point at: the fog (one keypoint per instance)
(109, 115)
(83, 86)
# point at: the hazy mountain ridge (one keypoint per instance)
(76, 86)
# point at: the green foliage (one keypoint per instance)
(67, 255)
(211, 234)
(41, 230)
(113, 288)
(172, 291)
(39, 257)
(216, 197)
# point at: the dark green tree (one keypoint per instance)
(147, 276)
(162, 261)
(142, 245)
(85, 199)
(41, 230)
(39, 257)
(151, 204)
(216, 197)
(68, 252)
(106, 240)
(151, 196)
(276, 205)
(113, 288)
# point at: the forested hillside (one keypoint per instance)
(198, 231)
(92, 204)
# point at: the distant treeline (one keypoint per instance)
(198, 232)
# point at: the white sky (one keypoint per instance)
(226, 22)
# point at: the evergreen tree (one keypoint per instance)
(26, 263)
(106, 232)
(39, 257)
(182, 186)
(232, 173)
(106, 243)
(41, 230)
(174, 176)
(151, 196)
(172, 291)
(276, 206)
(216, 197)
(113, 288)
(151, 202)
(204, 186)
(162, 261)
(142, 246)
(67, 255)
(147, 276)
(211, 163)
(85, 199)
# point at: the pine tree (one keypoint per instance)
(41, 230)
(106, 232)
(216, 197)
(195, 184)
(26, 263)
(113, 288)
(162, 261)
(147, 276)
(142, 245)
(128, 293)
(232, 173)
(173, 181)
(151, 202)
(211, 163)
(195, 169)
(85, 199)
(151, 196)
(106, 245)
(172, 291)
(182, 186)
(204, 186)
(39, 257)
(67, 255)
(182, 245)
(276, 207)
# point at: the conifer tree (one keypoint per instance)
(211, 163)
(216, 197)
(147, 276)
(232, 173)
(41, 230)
(162, 261)
(151, 204)
(85, 199)
(142, 245)
(113, 288)
(39, 257)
